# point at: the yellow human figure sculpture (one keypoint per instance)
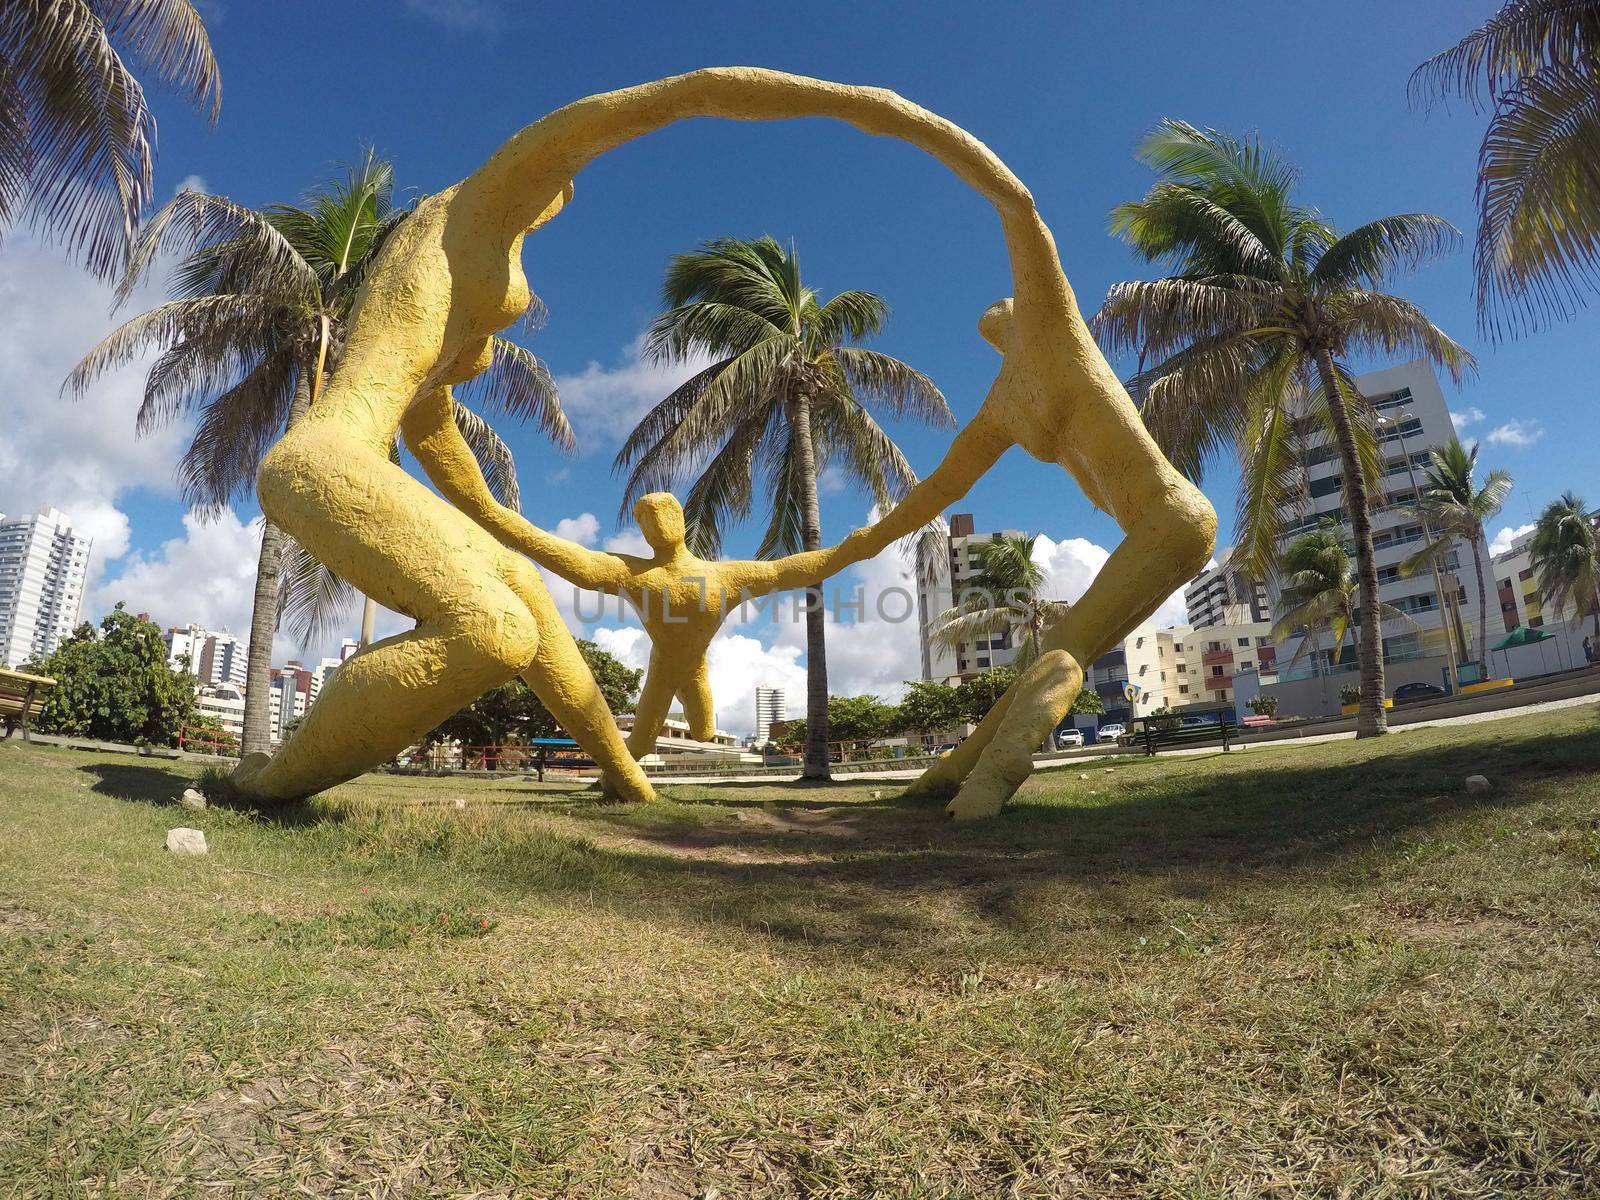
(451, 276)
(681, 598)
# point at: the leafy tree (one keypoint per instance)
(976, 696)
(1003, 594)
(1317, 591)
(786, 396)
(859, 718)
(929, 707)
(1458, 508)
(512, 713)
(1088, 701)
(1249, 339)
(1537, 62)
(257, 325)
(77, 140)
(1565, 556)
(114, 684)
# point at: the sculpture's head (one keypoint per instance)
(995, 324)
(660, 518)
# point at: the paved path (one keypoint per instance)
(1047, 764)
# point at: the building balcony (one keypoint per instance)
(1217, 657)
(1216, 683)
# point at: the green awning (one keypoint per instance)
(1521, 636)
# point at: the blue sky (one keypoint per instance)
(1062, 92)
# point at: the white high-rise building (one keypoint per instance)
(939, 586)
(1412, 417)
(43, 565)
(212, 658)
(1225, 595)
(770, 708)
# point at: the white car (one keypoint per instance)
(1111, 732)
(1069, 737)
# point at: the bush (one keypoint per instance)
(1264, 705)
(1349, 695)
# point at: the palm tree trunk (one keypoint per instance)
(369, 619)
(256, 737)
(815, 766)
(1372, 720)
(1483, 604)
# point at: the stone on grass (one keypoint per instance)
(186, 841)
(1478, 783)
(192, 798)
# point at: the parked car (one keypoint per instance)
(1069, 737)
(1410, 693)
(1111, 732)
(1191, 721)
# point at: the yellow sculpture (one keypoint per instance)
(451, 275)
(681, 599)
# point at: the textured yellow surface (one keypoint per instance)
(451, 276)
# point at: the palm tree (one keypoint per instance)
(1317, 591)
(1565, 555)
(257, 324)
(1000, 596)
(786, 396)
(1537, 64)
(1457, 507)
(1251, 335)
(77, 140)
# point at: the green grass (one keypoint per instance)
(1308, 972)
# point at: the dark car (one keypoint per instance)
(1410, 693)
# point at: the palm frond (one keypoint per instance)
(233, 432)
(1396, 328)
(313, 602)
(848, 317)
(1372, 253)
(1519, 40)
(903, 390)
(519, 385)
(1537, 257)
(224, 239)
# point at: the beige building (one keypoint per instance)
(940, 584)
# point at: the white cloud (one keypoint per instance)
(1502, 540)
(79, 455)
(208, 577)
(1069, 566)
(1519, 434)
(605, 403)
(1470, 415)
(474, 16)
(583, 529)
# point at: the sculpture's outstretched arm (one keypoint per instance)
(431, 434)
(974, 451)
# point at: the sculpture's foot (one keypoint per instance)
(983, 795)
(938, 782)
(245, 774)
(616, 788)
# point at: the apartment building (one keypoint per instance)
(1225, 595)
(1514, 591)
(43, 567)
(214, 658)
(940, 584)
(291, 696)
(1412, 418)
(771, 707)
(1180, 667)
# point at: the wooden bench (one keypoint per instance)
(20, 695)
(1165, 730)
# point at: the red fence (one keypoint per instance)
(207, 741)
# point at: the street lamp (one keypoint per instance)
(1445, 614)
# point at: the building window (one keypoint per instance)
(1244, 641)
(1183, 689)
(1247, 666)
(1216, 672)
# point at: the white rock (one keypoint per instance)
(460, 803)
(1083, 774)
(1478, 783)
(186, 841)
(192, 798)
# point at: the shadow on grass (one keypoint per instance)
(1192, 828)
(158, 786)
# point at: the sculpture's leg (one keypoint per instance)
(1038, 701)
(698, 709)
(1164, 548)
(655, 702)
(562, 681)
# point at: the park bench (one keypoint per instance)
(1154, 732)
(20, 695)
